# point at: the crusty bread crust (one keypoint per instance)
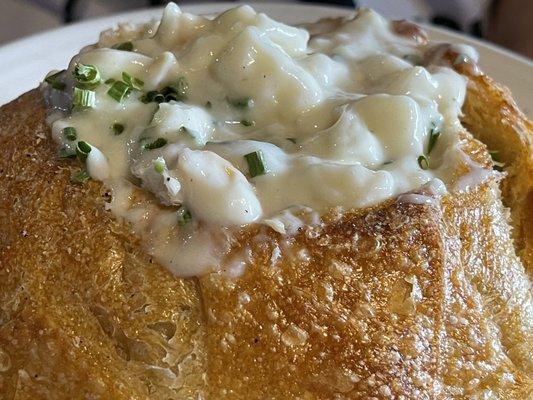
(423, 301)
(83, 311)
(492, 116)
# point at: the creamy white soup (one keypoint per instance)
(241, 119)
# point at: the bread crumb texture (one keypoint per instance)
(399, 301)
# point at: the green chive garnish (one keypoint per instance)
(87, 76)
(70, 133)
(64, 153)
(131, 81)
(256, 163)
(184, 216)
(495, 155)
(80, 177)
(159, 165)
(240, 103)
(110, 81)
(117, 128)
(246, 122)
(83, 98)
(172, 96)
(434, 134)
(159, 98)
(496, 160)
(55, 80)
(82, 150)
(148, 97)
(152, 96)
(125, 46)
(176, 92)
(156, 144)
(423, 162)
(119, 91)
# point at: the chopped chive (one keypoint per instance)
(54, 80)
(110, 81)
(64, 153)
(119, 91)
(83, 98)
(148, 97)
(80, 177)
(152, 96)
(176, 92)
(246, 122)
(434, 134)
(159, 98)
(159, 165)
(495, 155)
(184, 216)
(169, 97)
(256, 163)
(131, 81)
(117, 128)
(70, 133)
(82, 150)
(156, 144)
(87, 76)
(159, 168)
(124, 46)
(496, 160)
(423, 162)
(244, 102)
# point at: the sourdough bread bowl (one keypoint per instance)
(422, 295)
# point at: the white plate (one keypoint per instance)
(24, 63)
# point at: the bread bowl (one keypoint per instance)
(421, 294)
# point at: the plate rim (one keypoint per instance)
(112, 20)
(121, 16)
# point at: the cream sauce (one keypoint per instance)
(340, 119)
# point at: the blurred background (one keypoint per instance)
(505, 22)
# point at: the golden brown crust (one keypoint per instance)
(491, 115)
(420, 301)
(83, 312)
(382, 302)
